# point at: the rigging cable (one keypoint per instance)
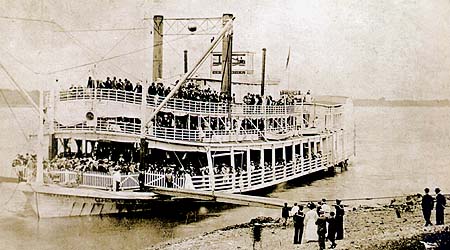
(14, 115)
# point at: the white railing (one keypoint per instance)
(159, 180)
(103, 125)
(79, 93)
(93, 179)
(195, 135)
(190, 106)
(96, 180)
(237, 182)
(243, 182)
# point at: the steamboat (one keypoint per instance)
(196, 137)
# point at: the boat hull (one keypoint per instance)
(54, 201)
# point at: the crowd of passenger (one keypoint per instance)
(192, 91)
(25, 167)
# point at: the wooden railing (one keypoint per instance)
(93, 179)
(237, 182)
(190, 106)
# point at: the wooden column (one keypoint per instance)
(273, 162)
(261, 163)
(249, 172)
(233, 170)
(285, 161)
(294, 158)
(212, 183)
(309, 149)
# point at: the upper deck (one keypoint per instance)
(121, 115)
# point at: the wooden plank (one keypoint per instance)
(239, 199)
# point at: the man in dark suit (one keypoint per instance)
(332, 230)
(285, 213)
(339, 220)
(440, 206)
(299, 218)
(321, 229)
(427, 207)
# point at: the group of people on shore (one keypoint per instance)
(428, 203)
(319, 223)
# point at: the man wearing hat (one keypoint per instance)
(440, 206)
(321, 223)
(427, 206)
(339, 220)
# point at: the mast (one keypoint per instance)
(157, 47)
(39, 150)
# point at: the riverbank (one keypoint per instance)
(366, 227)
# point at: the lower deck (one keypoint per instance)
(230, 183)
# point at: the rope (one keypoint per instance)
(10, 197)
(367, 198)
(14, 115)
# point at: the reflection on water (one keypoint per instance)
(399, 151)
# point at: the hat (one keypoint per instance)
(437, 190)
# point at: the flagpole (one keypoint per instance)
(288, 69)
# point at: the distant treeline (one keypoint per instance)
(15, 99)
(400, 103)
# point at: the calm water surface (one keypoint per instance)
(399, 151)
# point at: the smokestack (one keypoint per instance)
(226, 57)
(185, 61)
(263, 71)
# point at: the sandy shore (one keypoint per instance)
(366, 227)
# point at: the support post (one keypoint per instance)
(294, 159)
(285, 161)
(233, 170)
(273, 162)
(212, 182)
(143, 146)
(157, 47)
(39, 151)
(249, 169)
(261, 163)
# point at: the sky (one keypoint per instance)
(362, 49)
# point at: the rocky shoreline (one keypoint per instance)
(395, 224)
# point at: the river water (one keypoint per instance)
(400, 150)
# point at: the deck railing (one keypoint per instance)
(244, 181)
(196, 135)
(101, 95)
(190, 106)
(103, 125)
(94, 179)
(232, 182)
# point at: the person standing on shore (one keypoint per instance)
(285, 213)
(294, 209)
(427, 207)
(321, 223)
(339, 220)
(299, 218)
(440, 206)
(332, 230)
(310, 223)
